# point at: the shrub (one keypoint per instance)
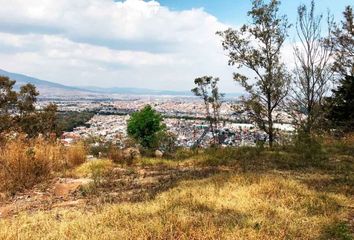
(23, 163)
(51, 151)
(116, 155)
(167, 143)
(94, 167)
(99, 149)
(123, 156)
(26, 162)
(75, 155)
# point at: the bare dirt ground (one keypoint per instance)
(132, 184)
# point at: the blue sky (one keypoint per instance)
(162, 44)
(235, 11)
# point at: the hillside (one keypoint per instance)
(50, 89)
(46, 88)
(213, 194)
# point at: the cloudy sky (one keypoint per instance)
(161, 44)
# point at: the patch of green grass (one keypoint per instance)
(338, 231)
(94, 167)
(145, 161)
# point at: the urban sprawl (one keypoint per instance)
(184, 117)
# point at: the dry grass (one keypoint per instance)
(88, 169)
(245, 206)
(75, 155)
(264, 195)
(24, 163)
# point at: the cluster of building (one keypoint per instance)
(183, 117)
(170, 107)
(113, 128)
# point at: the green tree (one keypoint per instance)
(8, 99)
(257, 47)
(28, 120)
(341, 105)
(144, 127)
(342, 42)
(48, 120)
(18, 112)
(207, 89)
(26, 98)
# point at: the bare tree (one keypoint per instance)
(312, 74)
(258, 47)
(207, 89)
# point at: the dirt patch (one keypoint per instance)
(66, 186)
(120, 185)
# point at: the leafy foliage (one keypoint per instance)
(341, 105)
(67, 121)
(257, 47)
(144, 127)
(207, 89)
(8, 98)
(342, 42)
(17, 110)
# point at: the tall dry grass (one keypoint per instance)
(75, 155)
(25, 162)
(243, 206)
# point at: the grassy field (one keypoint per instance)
(248, 195)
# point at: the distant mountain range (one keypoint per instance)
(50, 89)
(136, 91)
(45, 88)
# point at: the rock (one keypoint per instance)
(158, 154)
(64, 187)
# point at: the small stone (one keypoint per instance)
(158, 154)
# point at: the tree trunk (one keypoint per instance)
(270, 124)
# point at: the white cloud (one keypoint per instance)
(105, 43)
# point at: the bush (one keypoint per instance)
(123, 156)
(76, 155)
(99, 149)
(24, 164)
(93, 168)
(116, 155)
(167, 143)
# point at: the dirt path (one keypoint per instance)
(120, 185)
